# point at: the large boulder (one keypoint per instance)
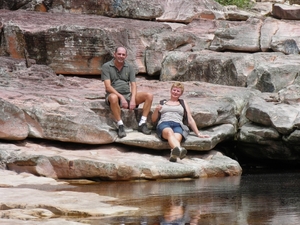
(80, 44)
(72, 109)
(285, 11)
(234, 36)
(173, 11)
(272, 130)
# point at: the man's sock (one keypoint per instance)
(120, 122)
(143, 120)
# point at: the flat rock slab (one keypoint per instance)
(29, 199)
(12, 179)
(67, 203)
(216, 134)
(38, 222)
(111, 162)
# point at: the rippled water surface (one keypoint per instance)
(270, 198)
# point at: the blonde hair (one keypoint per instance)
(178, 85)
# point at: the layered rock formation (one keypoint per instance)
(75, 43)
(39, 104)
(254, 59)
(240, 69)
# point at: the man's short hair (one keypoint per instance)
(116, 49)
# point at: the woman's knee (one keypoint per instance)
(167, 133)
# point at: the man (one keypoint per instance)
(121, 90)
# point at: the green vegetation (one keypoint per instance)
(239, 3)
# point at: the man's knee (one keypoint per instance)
(149, 96)
(113, 99)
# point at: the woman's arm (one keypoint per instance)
(155, 114)
(192, 123)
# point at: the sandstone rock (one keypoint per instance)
(14, 214)
(13, 122)
(294, 2)
(72, 109)
(269, 152)
(267, 72)
(236, 37)
(185, 11)
(273, 126)
(71, 161)
(294, 136)
(66, 203)
(251, 133)
(262, 8)
(280, 36)
(268, 30)
(149, 43)
(70, 46)
(235, 14)
(170, 10)
(202, 29)
(287, 38)
(82, 43)
(290, 95)
(217, 134)
(287, 12)
(275, 115)
(13, 179)
(275, 73)
(23, 215)
(45, 205)
(207, 66)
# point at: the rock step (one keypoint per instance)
(217, 134)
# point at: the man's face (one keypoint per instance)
(120, 55)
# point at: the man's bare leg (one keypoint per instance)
(116, 111)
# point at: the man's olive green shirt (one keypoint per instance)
(120, 80)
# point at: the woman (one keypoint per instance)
(170, 127)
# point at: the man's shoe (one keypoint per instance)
(144, 129)
(174, 154)
(121, 131)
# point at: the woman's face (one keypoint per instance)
(176, 92)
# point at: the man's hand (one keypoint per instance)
(124, 103)
(132, 104)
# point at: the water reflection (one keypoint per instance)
(246, 200)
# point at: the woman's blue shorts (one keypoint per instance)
(176, 127)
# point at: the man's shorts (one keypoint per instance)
(176, 127)
(126, 96)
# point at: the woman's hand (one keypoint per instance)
(203, 135)
(158, 107)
